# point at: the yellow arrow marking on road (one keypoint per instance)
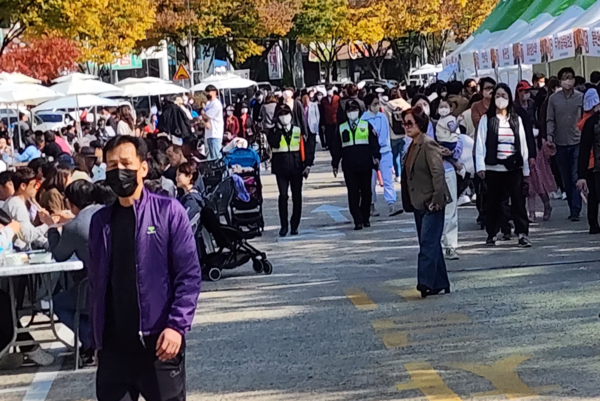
(360, 299)
(426, 379)
(502, 375)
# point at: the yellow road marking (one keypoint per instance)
(383, 324)
(410, 295)
(360, 299)
(426, 379)
(395, 340)
(502, 375)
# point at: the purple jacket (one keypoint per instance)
(167, 263)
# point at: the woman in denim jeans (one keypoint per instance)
(393, 110)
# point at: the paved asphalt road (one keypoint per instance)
(339, 319)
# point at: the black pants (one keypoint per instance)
(502, 186)
(295, 183)
(6, 325)
(330, 132)
(322, 137)
(593, 181)
(126, 376)
(359, 194)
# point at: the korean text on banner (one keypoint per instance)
(564, 45)
(594, 40)
(533, 52)
(485, 60)
(506, 56)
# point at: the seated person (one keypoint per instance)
(7, 189)
(26, 188)
(33, 148)
(8, 229)
(84, 199)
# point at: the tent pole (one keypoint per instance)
(582, 65)
(547, 69)
(79, 130)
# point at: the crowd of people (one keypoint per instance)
(126, 193)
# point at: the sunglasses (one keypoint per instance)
(409, 124)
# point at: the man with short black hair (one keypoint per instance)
(215, 125)
(7, 188)
(144, 283)
(564, 112)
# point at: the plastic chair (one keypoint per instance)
(80, 306)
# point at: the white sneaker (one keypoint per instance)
(40, 357)
(474, 198)
(563, 196)
(556, 194)
(463, 200)
(398, 179)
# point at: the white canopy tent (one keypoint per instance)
(76, 76)
(427, 69)
(28, 94)
(149, 86)
(73, 102)
(17, 78)
(224, 81)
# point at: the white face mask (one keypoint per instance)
(288, 94)
(229, 113)
(526, 96)
(501, 103)
(443, 111)
(244, 110)
(154, 110)
(444, 94)
(541, 84)
(330, 93)
(374, 108)
(426, 109)
(353, 115)
(285, 120)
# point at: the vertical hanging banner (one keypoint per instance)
(582, 43)
(275, 63)
(506, 56)
(485, 60)
(476, 61)
(547, 48)
(518, 55)
(532, 52)
(564, 45)
(594, 41)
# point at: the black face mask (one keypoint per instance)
(122, 181)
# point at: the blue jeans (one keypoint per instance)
(566, 159)
(213, 146)
(397, 152)
(431, 267)
(64, 308)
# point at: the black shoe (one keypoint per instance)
(367, 224)
(283, 232)
(294, 231)
(490, 241)
(574, 218)
(424, 290)
(595, 230)
(358, 227)
(524, 242)
(506, 237)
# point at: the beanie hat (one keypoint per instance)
(590, 99)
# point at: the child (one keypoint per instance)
(446, 130)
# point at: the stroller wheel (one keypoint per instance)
(258, 265)
(268, 267)
(214, 274)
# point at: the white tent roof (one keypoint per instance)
(589, 19)
(224, 81)
(74, 102)
(84, 87)
(74, 77)
(29, 94)
(149, 86)
(427, 69)
(17, 78)
(560, 23)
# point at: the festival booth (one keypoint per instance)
(521, 37)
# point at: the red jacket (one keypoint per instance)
(330, 109)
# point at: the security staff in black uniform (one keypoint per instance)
(293, 155)
(358, 147)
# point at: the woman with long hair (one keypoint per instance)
(502, 160)
(425, 193)
(126, 125)
(51, 195)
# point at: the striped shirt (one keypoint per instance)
(506, 145)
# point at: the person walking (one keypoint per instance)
(358, 148)
(291, 161)
(214, 125)
(564, 112)
(502, 161)
(425, 193)
(589, 158)
(329, 105)
(381, 127)
(393, 110)
(144, 283)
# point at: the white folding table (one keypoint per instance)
(43, 270)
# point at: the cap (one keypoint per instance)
(523, 86)
(590, 99)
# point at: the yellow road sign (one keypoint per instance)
(181, 73)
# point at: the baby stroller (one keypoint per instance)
(229, 247)
(212, 172)
(247, 216)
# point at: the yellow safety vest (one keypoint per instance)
(359, 137)
(293, 146)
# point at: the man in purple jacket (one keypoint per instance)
(144, 283)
